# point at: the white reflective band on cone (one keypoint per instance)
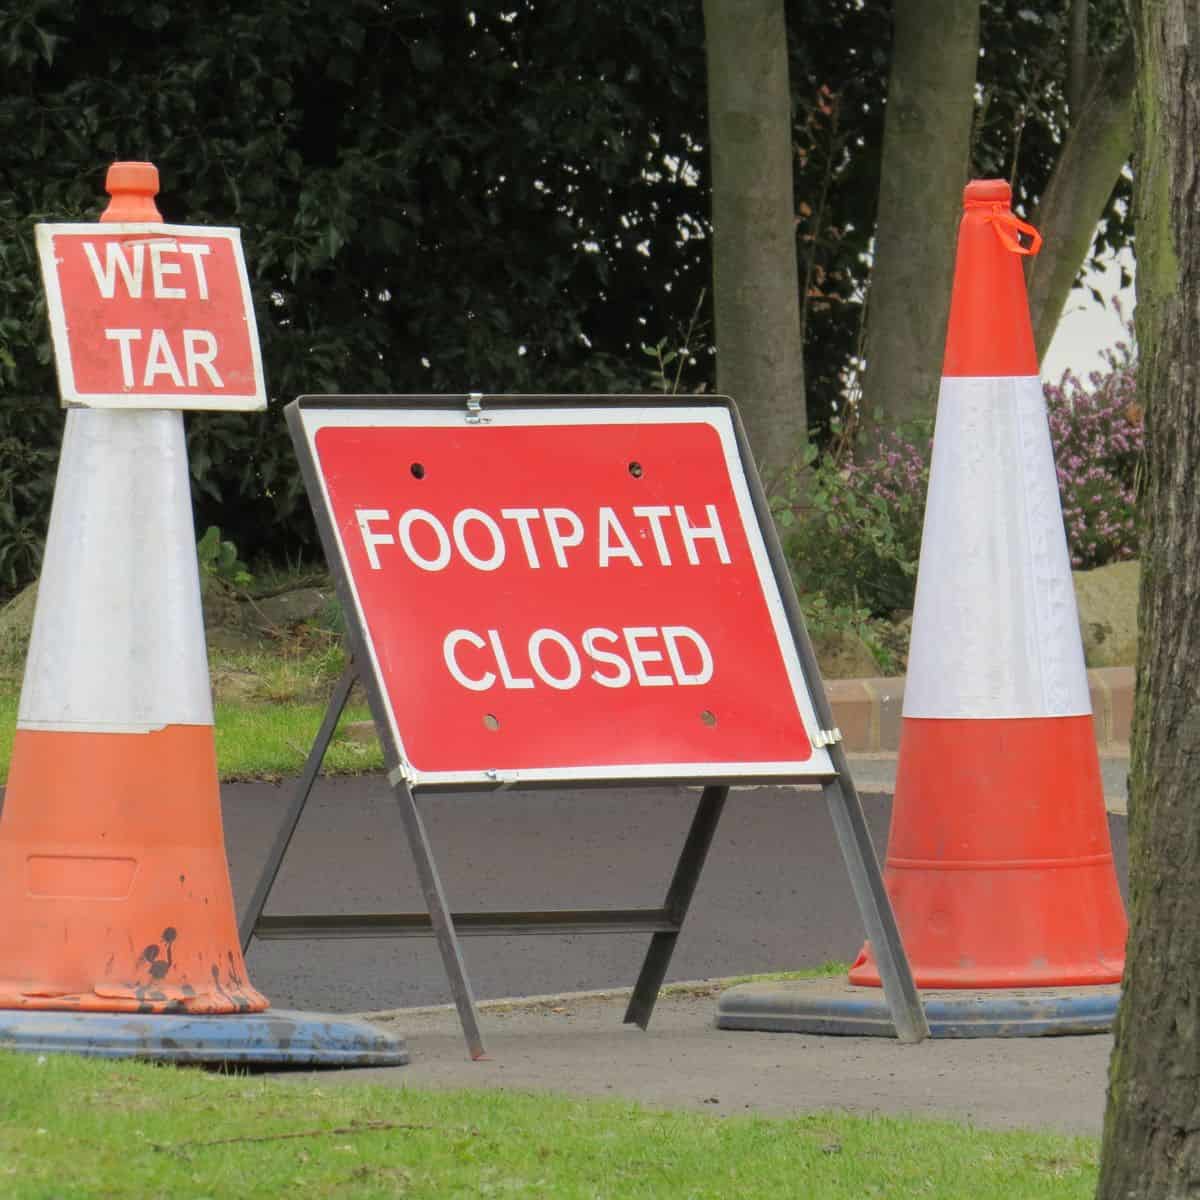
(995, 627)
(118, 635)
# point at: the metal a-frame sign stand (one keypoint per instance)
(404, 570)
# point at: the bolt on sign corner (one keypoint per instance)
(561, 590)
(151, 316)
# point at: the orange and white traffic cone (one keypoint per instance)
(999, 863)
(113, 877)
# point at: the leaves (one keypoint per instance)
(424, 190)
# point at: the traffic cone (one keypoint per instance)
(113, 879)
(999, 862)
(999, 865)
(119, 938)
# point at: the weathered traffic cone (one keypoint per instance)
(999, 863)
(113, 878)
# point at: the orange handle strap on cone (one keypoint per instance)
(1008, 225)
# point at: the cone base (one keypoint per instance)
(113, 879)
(134, 1000)
(829, 1006)
(999, 863)
(864, 973)
(274, 1038)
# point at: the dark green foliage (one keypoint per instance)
(1024, 111)
(430, 200)
(433, 198)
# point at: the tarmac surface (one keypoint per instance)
(774, 894)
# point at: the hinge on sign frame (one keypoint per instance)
(402, 774)
(475, 409)
(827, 737)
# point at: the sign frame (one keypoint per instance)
(663, 923)
(69, 390)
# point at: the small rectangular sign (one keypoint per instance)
(561, 592)
(151, 316)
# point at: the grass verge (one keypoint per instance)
(82, 1128)
(267, 741)
(272, 741)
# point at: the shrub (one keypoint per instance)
(858, 540)
(26, 486)
(1096, 428)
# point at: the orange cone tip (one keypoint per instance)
(999, 862)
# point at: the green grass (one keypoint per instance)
(82, 1128)
(269, 706)
(273, 740)
(255, 741)
(8, 722)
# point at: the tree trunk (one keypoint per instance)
(755, 288)
(926, 149)
(1093, 154)
(1152, 1125)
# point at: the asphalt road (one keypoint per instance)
(774, 894)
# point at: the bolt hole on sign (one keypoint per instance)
(559, 589)
(151, 316)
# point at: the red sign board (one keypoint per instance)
(151, 316)
(555, 593)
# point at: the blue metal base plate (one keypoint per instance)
(272, 1038)
(833, 1006)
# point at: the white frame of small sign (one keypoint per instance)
(69, 391)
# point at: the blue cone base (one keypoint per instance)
(272, 1038)
(833, 1006)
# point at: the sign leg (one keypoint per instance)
(440, 918)
(266, 880)
(904, 1001)
(679, 897)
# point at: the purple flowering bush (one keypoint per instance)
(1096, 429)
(858, 540)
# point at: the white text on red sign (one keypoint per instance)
(554, 537)
(157, 359)
(544, 534)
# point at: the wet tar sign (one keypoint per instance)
(560, 592)
(151, 316)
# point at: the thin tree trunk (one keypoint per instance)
(755, 290)
(1152, 1125)
(926, 149)
(1093, 154)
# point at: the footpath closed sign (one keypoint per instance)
(559, 591)
(151, 316)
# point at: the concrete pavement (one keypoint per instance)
(576, 1044)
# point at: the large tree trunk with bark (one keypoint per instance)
(1152, 1126)
(926, 151)
(755, 288)
(1094, 152)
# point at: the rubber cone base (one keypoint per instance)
(274, 1038)
(833, 1006)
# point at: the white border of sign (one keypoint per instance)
(71, 395)
(818, 765)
